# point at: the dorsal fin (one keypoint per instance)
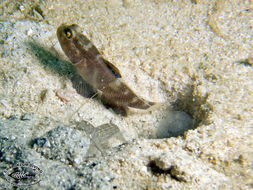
(113, 68)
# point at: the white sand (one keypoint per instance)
(167, 51)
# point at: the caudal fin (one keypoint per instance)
(140, 103)
(119, 95)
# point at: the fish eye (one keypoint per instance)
(68, 33)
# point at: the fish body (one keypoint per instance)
(97, 71)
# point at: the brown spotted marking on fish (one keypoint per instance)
(97, 71)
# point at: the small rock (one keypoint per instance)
(66, 144)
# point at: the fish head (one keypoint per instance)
(69, 36)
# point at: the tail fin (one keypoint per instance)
(140, 103)
(119, 95)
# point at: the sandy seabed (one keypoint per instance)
(194, 56)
